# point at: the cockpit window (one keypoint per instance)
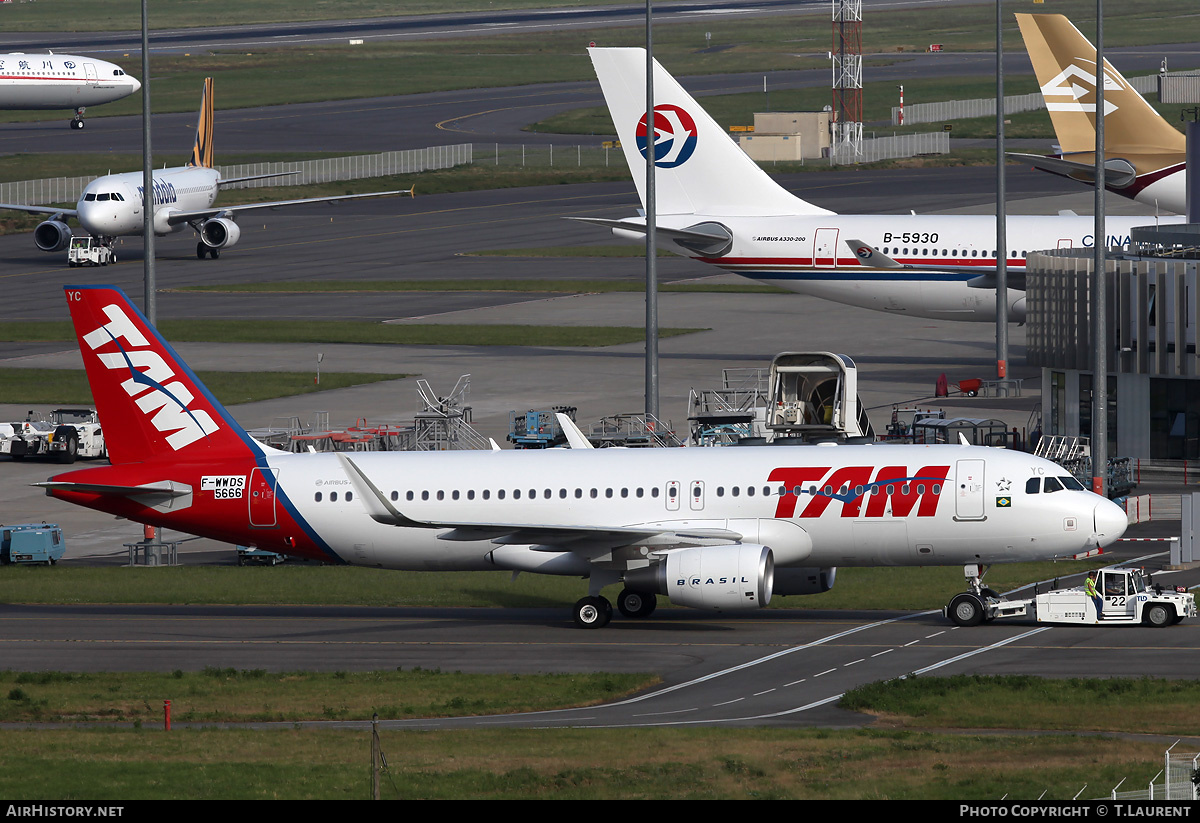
(1072, 484)
(90, 196)
(1052, 485)
(102, 196)
(1033, 485)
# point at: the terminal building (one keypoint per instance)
(1153, 303)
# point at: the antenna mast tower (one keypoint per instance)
(847, 82)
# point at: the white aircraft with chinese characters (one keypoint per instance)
(715, 204)
(711, 528)
(61, 81)
(111, 206)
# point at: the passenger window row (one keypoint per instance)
(625, 493)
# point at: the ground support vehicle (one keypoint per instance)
(1130, 597)
(76, 433)
(19, 440)
(250, 554)
(31, 543)
(90, 251)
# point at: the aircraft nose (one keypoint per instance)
(137, 85)
(1111, 522)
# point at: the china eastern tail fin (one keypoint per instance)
(1065, 64)
(150, 404)
(698, 167)
(202, 151)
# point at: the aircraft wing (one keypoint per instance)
(230, 211)
(871, 257)
(586, 540)
(38, 209)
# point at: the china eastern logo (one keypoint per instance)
(674, 136)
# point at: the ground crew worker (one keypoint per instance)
(1089, 588)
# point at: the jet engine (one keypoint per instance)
(739, 576)
(52, 235)
(219, 232)
(804, 580)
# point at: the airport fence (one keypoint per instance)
(891, 148)
(299, 173)
(986, 106)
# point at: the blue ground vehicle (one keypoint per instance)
(31, 543)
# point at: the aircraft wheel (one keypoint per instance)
(201, 250)
(592, 613)
(636, 604)
(214, 254)
(1158, 615)
(966, 610)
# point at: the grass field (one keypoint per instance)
(857, 588)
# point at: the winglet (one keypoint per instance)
(575, 438)
(870, 256)
(376, 503)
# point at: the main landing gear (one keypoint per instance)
(202, 250)
(595, 611)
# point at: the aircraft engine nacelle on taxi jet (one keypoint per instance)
(739, 576)
(52, 235)
(219, 232)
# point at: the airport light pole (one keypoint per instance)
(651, 226)
(150, 290)
(1099, 286)
(1001, 209)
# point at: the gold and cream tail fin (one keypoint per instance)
(202, 152)
(1065, 64)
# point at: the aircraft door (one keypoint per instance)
(672, 491)
(825, 248)
(968, 498)
(696, 498)
(90, 70)
(262, 498)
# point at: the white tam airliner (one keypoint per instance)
(111, 206)
(61, 81)
(712, 528)
(716, 205)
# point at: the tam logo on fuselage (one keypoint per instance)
(851, 484)
(149, 383)
(675, 136)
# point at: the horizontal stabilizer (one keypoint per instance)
(709, 239)
(1118, 173)
(168, 488)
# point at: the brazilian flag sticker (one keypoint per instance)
(1003, 502)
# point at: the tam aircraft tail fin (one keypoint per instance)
(699, 169)
(202, 151)
(150, 404)
(1065, 64)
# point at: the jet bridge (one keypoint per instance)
(814, 396)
